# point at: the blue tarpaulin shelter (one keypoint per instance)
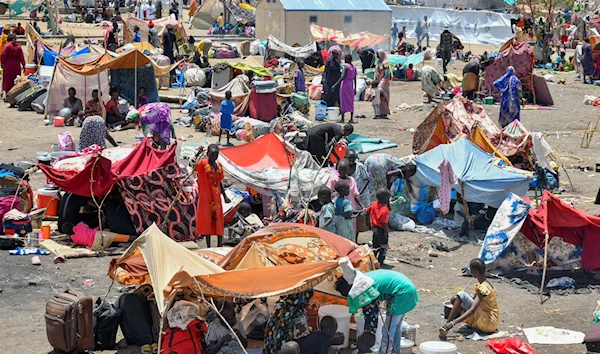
(49, 57)
(484, 182)
(413, 59)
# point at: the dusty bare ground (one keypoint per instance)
(26, 288)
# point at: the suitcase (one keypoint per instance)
(17, 89)
(39, 104)
(25, 98)
(69, 322)
(225, 54)
(136, 319)
(592, 339)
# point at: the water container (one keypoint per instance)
(436, 347)
(48, 197)
(321, 110)
(342, 315)
(333, 114)
(30, 69)
(438, 61)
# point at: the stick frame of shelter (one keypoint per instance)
(135, 88)
(545, 264)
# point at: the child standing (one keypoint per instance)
(343, 167)
(380, 213)
(480, 311)
(410, 73)
(136, 36)
(343, 211)
(327, 212)
(376, 97)
(299, 80)
(227, 109)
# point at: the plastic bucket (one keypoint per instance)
(438, 61)
(342, 315)
(59, 121)
(30, 69)
(320, 110)
(48, 198)
(436, 347)
(333, 114)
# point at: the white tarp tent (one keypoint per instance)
(277, 48)
(476, 27)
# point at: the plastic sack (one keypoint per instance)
(133, 115)
(510, 346)
(66, 141)
(194, 77)
(315, 92)
(425, 213)
(401, 223)
(361, 85)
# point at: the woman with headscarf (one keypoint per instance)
(382, 168)
(383, 74)
(94, 132)
(347, 87)
(288, 321)
(431, 81)
(331, 75)
(13, 62)
(510, 103)
(587, 60)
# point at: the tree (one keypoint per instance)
(545, 9)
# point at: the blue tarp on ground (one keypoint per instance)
(363, 145)
(484, 182)
(50, 56)
(413, 59)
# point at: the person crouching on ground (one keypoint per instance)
(319, 342)
(481, 310)
(380, 213)
(219, 337)
(227, 109)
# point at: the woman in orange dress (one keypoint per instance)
(209, 215)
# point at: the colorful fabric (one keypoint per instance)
(379, 215)
(93, 132)
(519, 56)
(209, 216)
(343, 227)
(94, 108)
(486, 316)
(13, 62)
(430, 80)
(156, 118)
(448, 179)
(347, 89)
(288, 321)
(510, 104)
(361, 177)
(147, 197)
(378, 166)
(227, 108)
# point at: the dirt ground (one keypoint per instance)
(24, 288)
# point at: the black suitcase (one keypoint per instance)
(136, 319)
(592, 339)
(25, 98)
(39, 104)
(106, 324)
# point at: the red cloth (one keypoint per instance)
(19, 30)
(104, 174)
(559, 219)
(324, 54)
(379, 214)
(110, 105)
(263, 106)
(13, 62)
(209, 215)
(275, 153)
(510, 346)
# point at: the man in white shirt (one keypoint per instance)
(425, 30)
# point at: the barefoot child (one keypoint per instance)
(380, 213)
(327, 212)
(343, 211)
(227, 109)
(481, 310)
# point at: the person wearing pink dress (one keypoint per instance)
(347, 84)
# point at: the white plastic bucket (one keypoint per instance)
(438, 61)
(453, 61)
(342, 315)
(333, 114)
(437, 347)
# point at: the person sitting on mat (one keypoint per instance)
(481, 310)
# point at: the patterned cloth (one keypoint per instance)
(94, 107)
(378, 166)
(93, 132)
(361, 176)
(343, 227)
(156, 118)
(288, 322)
(510, 104)
(447, 178)
(147, 198)
(209, 216)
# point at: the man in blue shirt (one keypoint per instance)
(394, 35)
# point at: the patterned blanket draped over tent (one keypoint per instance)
(521, 57)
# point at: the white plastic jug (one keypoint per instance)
(342, 315)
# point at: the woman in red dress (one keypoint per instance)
(13, 62)
(209, 215)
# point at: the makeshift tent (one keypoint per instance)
(276, 48)
(269, 172)
(207, 14)
(402, 62)
(286, 243)
(155, 258)
(321, 33)
(365, 39)
(74, 72)
(454, 120)
(516, 139)
(142, 46)
(521, 57)
(240, 95)
(482, 181)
